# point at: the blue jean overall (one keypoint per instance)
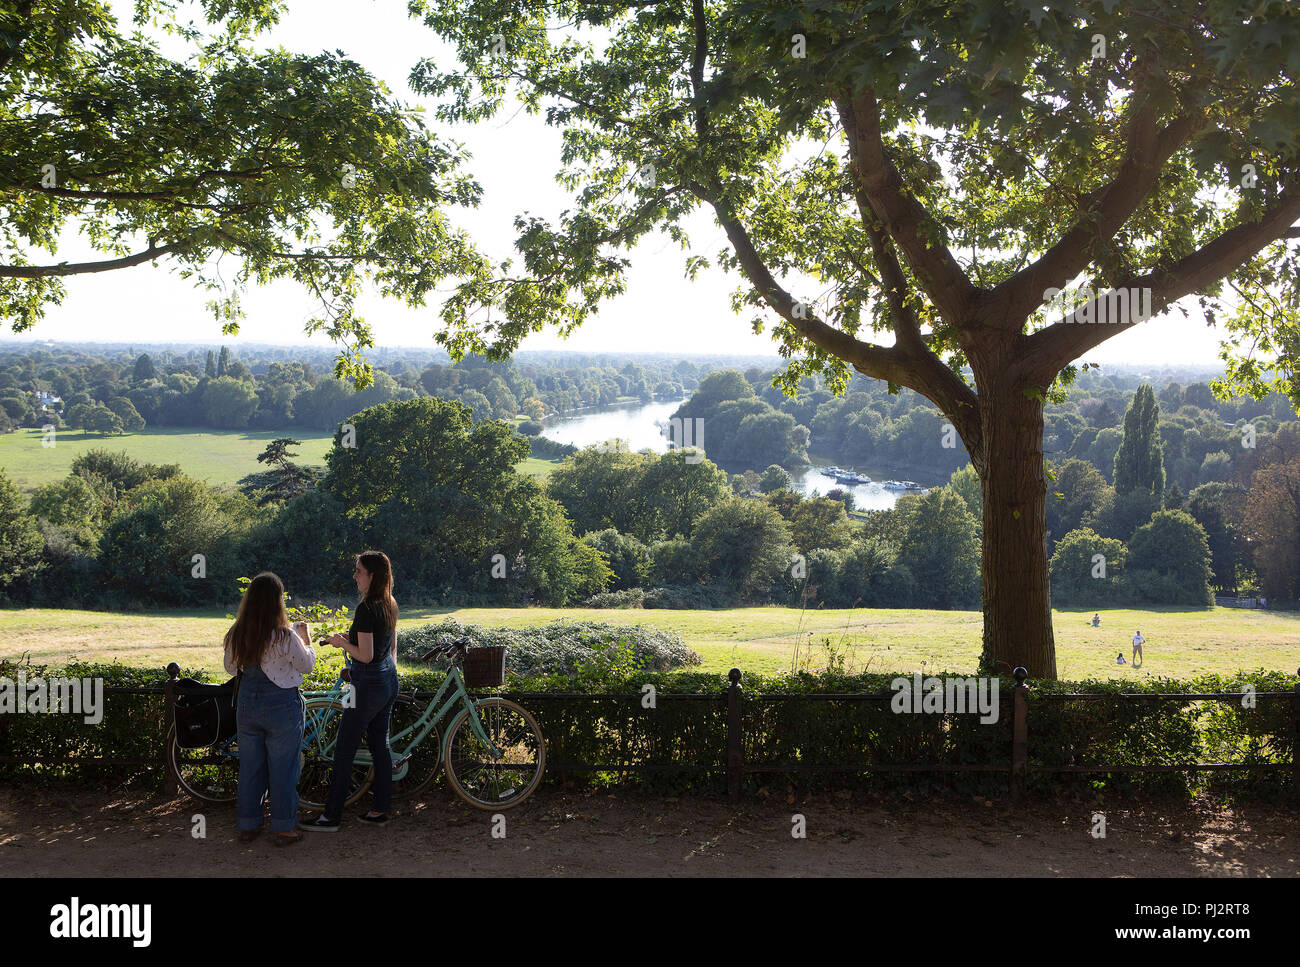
(376, 688)
(270, 727)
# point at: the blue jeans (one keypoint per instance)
(270, 722)
(376, 688)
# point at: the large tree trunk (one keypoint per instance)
(1017, 604)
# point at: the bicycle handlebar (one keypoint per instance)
(460, 645)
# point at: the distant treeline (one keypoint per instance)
(1155, 497)
(747, 424)
(207, 388)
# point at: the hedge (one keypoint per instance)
(597, 717)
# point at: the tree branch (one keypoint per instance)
(904, 218)
(936, 382)
(907, 328)
(88, 268)
(1106, 212)
(163, 194)
(1050, 349)
(697, 69)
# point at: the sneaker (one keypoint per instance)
(321, 825)
(379, 820)
(287, 838)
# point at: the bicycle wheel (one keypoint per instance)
(323, 717)
(209, 774)
(491, 781)
(413, 774)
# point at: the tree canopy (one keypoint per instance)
(299, 167)
(923, 190)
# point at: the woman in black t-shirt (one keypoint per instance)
(372, 643)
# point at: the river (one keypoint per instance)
(637, 423)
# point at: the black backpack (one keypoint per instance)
(205, 714)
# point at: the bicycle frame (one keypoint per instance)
(436, 709)
(311, 728)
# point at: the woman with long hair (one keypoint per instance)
(269, 710)
(372, 643)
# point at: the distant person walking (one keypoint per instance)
(1137, 648)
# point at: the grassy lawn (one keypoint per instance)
(217, 456)
(536, 466)
(1179, 643)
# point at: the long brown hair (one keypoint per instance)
(261, 614)
(380, 594)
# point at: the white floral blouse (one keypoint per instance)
(285, 661)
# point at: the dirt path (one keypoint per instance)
(48, 832)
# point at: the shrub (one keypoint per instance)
(1174, 546)
(545, 448)
(558, 648)
(674, 561)
(686, 597)
(1073, 567)
(147, 550)
(627, 598)
(628, 558)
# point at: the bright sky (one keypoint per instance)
(514, 158)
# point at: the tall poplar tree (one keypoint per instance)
(1140, 460)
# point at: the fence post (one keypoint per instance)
(735, 738)
(169, 722)
(1295, 744)
(1020, 738)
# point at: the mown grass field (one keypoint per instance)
(217, 456)
(1179, 644)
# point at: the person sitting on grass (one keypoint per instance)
(269, 710)
(1119, 659)
(1096, 621)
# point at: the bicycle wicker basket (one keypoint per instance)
(485, 667)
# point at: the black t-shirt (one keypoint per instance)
(369, 617)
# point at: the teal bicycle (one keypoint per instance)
(493, 754)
